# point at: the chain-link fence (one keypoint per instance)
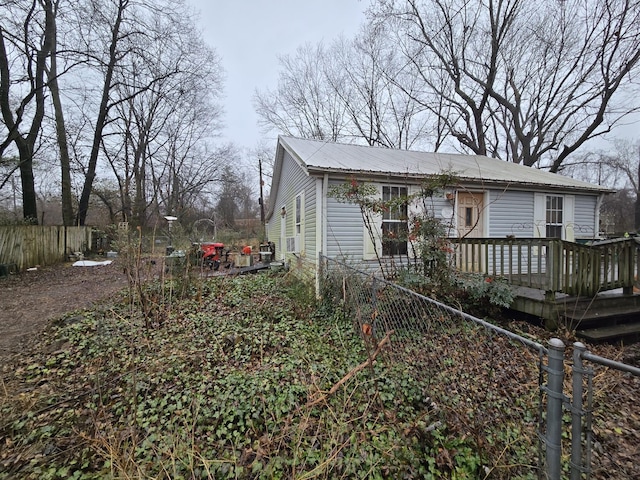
(508, 397)
(484, 381)
(605, 435)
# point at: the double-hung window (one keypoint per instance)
(394, 221)
(554, 216)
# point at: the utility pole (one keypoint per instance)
(264, 227)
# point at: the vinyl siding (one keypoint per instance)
(585, 217)
(346, 235)
(345, 229)
(511, 213)
(294, 181)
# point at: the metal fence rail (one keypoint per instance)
(507, 395)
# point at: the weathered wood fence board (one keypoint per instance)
(28, 246)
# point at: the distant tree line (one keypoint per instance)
(113, 103)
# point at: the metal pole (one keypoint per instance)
(262, 218)
(555, 377)
(576, 412)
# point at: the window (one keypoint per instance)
(297, 241)
(468, 217)
(394, 221)
(554, 219)
(298, 214)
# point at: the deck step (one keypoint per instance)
(607, 333)
(596, 313)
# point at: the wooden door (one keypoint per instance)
(470, 224)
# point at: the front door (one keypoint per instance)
(469, 215)
(470, 224)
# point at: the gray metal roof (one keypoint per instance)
(322, 156)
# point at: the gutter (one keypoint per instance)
(472, 182)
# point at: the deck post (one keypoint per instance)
(629, 256)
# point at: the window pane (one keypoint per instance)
(394, 238)
(554, 231)
(554, 216)
(394, 225)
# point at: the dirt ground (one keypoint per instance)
(31, 299)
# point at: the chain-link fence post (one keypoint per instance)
(374, 304)
(555, 397)
(577, 372)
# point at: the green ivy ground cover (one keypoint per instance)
(218, 386)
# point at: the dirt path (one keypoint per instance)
(30, 299)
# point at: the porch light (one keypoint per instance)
(451, 196)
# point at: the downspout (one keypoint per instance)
(325, 194)
(322, 189)
(597, 216)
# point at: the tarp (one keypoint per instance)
(90, 263)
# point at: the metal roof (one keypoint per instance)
(323, 156)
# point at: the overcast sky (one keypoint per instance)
(249, 35)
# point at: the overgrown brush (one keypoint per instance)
(221, 388)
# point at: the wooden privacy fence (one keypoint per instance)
(552, 265)
(28, 246)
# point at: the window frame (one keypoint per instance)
(554, 216)
(395, 220)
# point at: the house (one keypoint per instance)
(493, 199)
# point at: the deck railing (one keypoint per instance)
(552, 265)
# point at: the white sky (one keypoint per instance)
(249, 35)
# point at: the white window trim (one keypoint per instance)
(369, 247)
(299, 219)
(540, 215)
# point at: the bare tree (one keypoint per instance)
(627, 162)
(27, 35)
(303, 104)
(143, 95)
(365, 74)
(236, 198)
(616, 167)
(60, 124)
(108, 16)
(526, 82)
(136, 50)
(354, 90)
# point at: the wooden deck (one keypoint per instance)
(589, 288)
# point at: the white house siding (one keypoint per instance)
(442, 210)
(585, 217)
(345, 229)
(310, 226)
(346, 235)
(511, 213)
(294, 181)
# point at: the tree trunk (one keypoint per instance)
(29, 199)
(103, 112)
(637, 209)
(61, 133)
